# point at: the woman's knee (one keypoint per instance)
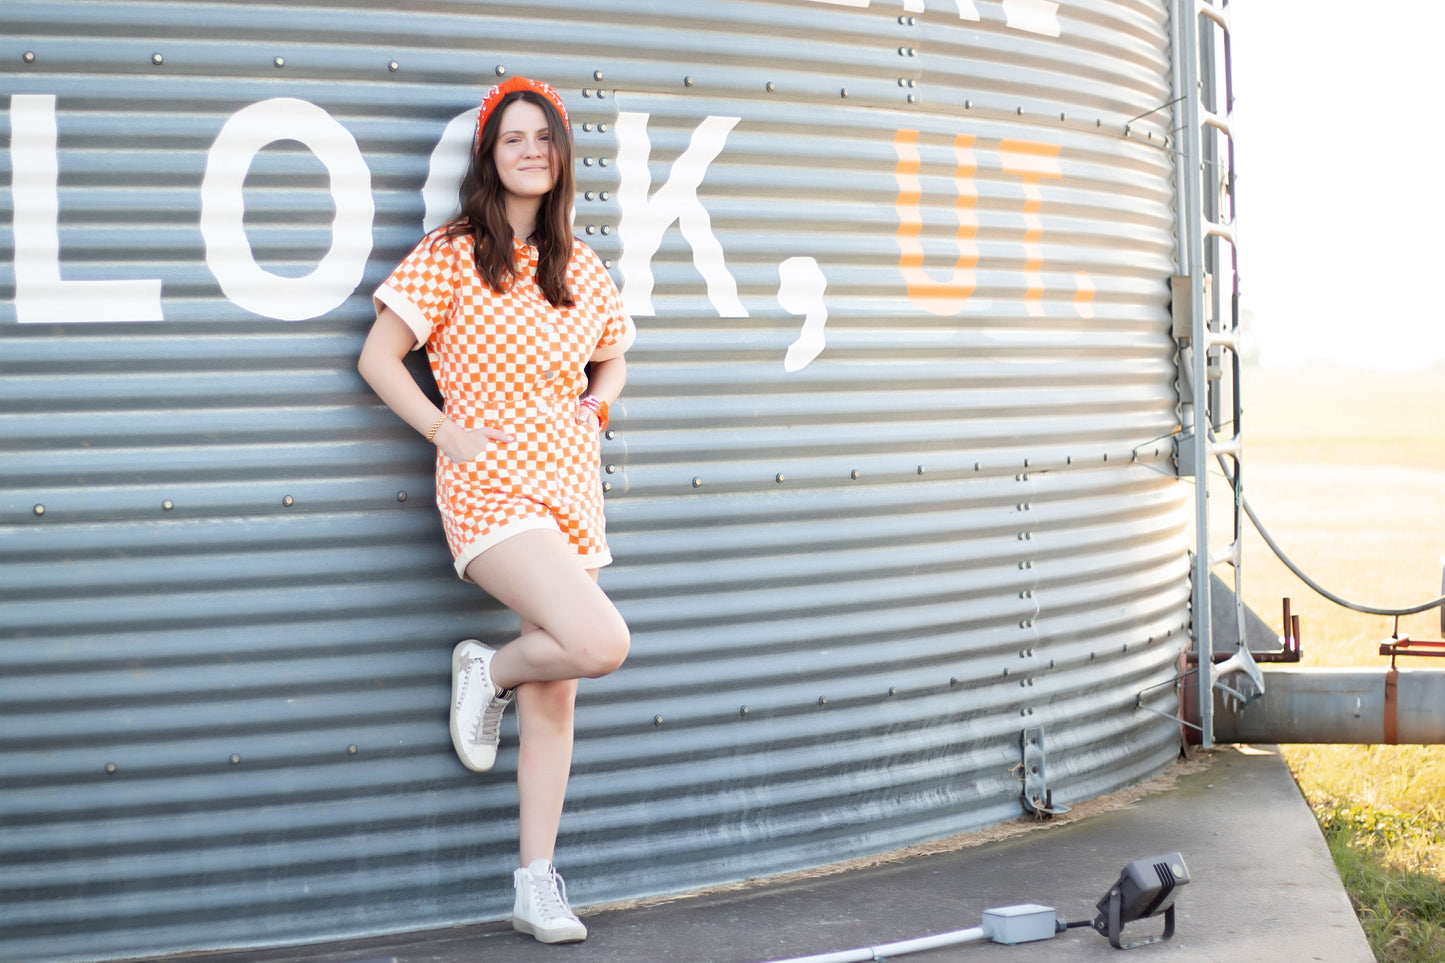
(603, 645)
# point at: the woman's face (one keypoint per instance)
(523, 153)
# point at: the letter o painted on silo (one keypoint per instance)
(223, 207)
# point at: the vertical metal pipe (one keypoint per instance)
(1188, 191)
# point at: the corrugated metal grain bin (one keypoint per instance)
(890, 488)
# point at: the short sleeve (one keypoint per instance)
(422, 289)
(618, 331)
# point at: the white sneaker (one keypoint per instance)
(477, 706)
(541, 908)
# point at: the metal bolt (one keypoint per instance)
(602, 128)
(279, 61)
(586, 162)
(611, 469)
(351, 750)
(744, 710)
(235, 758)
(606, 229)
(501, 71)
(596, 75)
(770, 87)
(610, 434)
(606, 487)
(893, 690)
(586, 128)
(601, 94)
(288, 501)
(401, 496)
(591, 228)
(38, 510)
(110, 769)
(157, 59)
(590, 195)
(853, 474)
(28, 56)
(687, 81)
(968, 105)
(913, 98)
(167, 505)
(921, 469)
(843, 92)
(822, 700)
(393, 66)
(603, 196)
(953, 680)
(696, 481)
(657, 720)
(778, 478)
(601, 162)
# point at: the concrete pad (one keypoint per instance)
(1263, 887)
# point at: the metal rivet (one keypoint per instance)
(596, 75)
(687, 81)
(167, 505)
(968, 105)
(590, 195)
(606, 487)
(601, 162)
(288, 501)
(586, 128)
(604, 195)
(393, 66)
(921, 469)
(591, 228)
(351, 750)
(770, 87)
(778, 478)
(1005, 672)
(501, 71)
(1020, 111)
(28, 56)
(657, 720)
(279, 61)
(822, 700)
(157, 59)
(953, 680)
(235, 758)
(110, 769)
(1106, 456)
(611, 469)
(893, 690)
(602, 128)
(743, 710)
(607, 262)
(696, 482)
(601, 94)
(610, 434)
(978, 466)
(586, 162)
(606, 229)
(902, 51)
(913, 98)
(586, 92)
(843, 92)
(38, 510)
(1061, 115)
(401, 496)
(853, 474)
(1068, 459)
(902, 82)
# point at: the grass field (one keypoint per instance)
(1347, 471)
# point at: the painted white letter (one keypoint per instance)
(644, 221)
(41, 297)
(228, 252)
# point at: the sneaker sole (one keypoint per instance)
(562, 934)
(458, 742)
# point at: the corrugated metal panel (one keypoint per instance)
(900, 498)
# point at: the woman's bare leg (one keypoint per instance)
(570, 629)
(576, 632)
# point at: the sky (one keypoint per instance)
(1340, 180)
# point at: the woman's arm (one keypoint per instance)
(383, 367)
(604, 380)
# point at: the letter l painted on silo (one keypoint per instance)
(644, 220)
(41, 295)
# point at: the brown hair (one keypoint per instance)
(484, 208)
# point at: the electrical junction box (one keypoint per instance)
(1020, 924)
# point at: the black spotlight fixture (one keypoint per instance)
(1146, 887)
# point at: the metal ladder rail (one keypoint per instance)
(1206, 223)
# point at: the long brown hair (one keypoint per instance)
(484, 208)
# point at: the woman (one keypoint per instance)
(525, 335)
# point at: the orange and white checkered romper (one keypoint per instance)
(511, 361)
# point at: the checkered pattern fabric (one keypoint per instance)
(511, 361)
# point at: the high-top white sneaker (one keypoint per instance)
(541, 908)
(477, 706)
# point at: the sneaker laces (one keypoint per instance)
(487, 727)
(551, 895)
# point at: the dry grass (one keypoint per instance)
(1347, 471)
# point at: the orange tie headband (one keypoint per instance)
(495, 95)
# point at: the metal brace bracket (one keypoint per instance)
(1037, 796)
